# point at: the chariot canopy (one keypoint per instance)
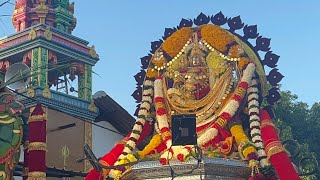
(223, 72)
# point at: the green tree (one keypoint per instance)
(299, 122)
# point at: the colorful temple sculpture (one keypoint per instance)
(43, 41)
(10, 133)
(205, 67)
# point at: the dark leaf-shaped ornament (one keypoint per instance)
(219, 19)
(185, 23)
(262, 44)
(139, 77)
(168, 32)
(137, 94)
(273, 96)
(155, 45)
(201, 19)
(145, 61)
(250, 32)
(274, 77)
(270, 59)
(137, 110)
(235, 23)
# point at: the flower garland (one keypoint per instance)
(246, 149)
(143, 114)
(176, 41)
(216, 63)
(253, 105)
(154, 143)
(161, 113)
(182, 153)
(230, 109)
(115, 173)
(216, 37)
(185, 153)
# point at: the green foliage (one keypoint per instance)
(299, 122)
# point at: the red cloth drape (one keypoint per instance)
(274, 149)
(37, 141)
(111, 157)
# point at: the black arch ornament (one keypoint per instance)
(250, 32)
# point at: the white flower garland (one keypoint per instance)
(161, 119)
(255, 132)
(231, 107)
(144, 111)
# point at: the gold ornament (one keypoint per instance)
(32, 34)
(37, 146)
(93, 52)
(48, 34)
(31, 92)
(92, 106)
(46, 92)
(36, 175)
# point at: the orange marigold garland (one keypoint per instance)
(243, 62)
(176, 41)
(151, 73)
(217, 37)
(235, 51)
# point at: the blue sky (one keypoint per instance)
(123, 30)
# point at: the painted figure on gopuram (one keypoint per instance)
(10, 133)
(204, 68)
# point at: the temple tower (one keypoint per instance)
(44, 42)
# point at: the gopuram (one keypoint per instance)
(223, 72)
(43, 43)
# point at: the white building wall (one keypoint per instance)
(104, 140)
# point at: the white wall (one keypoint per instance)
(103, 140)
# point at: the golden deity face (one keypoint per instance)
(192, 76)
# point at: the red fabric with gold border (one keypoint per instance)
(274, 149)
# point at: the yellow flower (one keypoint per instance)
(122, 161)
(154, 142)
(131, 158)
(217, 37)
(159, 62)
(151, 73)
(243, 62)
(248, 151)
(117, 174)
(235, 51)
(173, 44)
(238, 133)
(216, 62)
